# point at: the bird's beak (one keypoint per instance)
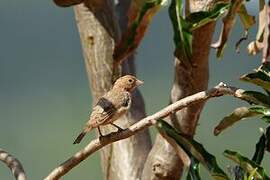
(139, 82)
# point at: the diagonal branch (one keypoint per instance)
(14, 165)
(95, 145)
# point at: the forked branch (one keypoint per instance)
(96, 144)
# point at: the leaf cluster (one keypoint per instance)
(141, 13)
(247, 169)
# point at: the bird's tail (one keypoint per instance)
(81, 136)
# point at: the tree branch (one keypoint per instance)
(14, 165)
(95, 145)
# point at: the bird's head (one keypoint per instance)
(127, 82)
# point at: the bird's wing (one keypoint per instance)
(112, 105)
(102, 112)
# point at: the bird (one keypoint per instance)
(111, 106)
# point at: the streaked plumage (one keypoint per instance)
(112, 105)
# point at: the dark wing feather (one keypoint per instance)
(102, 112)
(110, 106)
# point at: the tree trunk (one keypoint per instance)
(99, 31)
(163, 162)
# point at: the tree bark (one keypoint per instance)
(163, 163)
(99, 31)
(14, 165)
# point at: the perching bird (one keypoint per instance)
(111, 106)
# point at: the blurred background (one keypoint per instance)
(45, 97)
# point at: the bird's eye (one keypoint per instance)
(130, 80)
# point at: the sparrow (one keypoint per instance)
(111, 106)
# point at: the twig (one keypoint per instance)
(98, 143)
(14, 165)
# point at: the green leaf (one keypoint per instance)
(248, 165)
(183, 27)
(242, 113)
(265, 68)
(194, 170)
(235, 116)
(264, 111)
(257, 98)
(140, 14)
(260, 149)
(252, 174)
(259, 78)
(266, 119)
(198, 19)
(260, 110)
(246, 19)
(182, 32)
(262, 145)
(192, 148)
(267, 135)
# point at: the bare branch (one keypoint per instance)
(99, 143)
(14, 165)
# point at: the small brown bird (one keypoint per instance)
(111, 106)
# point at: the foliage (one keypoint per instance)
(259, 106)
(246, 168)
(260, 102)
(253, 170)
(140, 15)
(194, 150)
(184, 24)
(183, 27)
